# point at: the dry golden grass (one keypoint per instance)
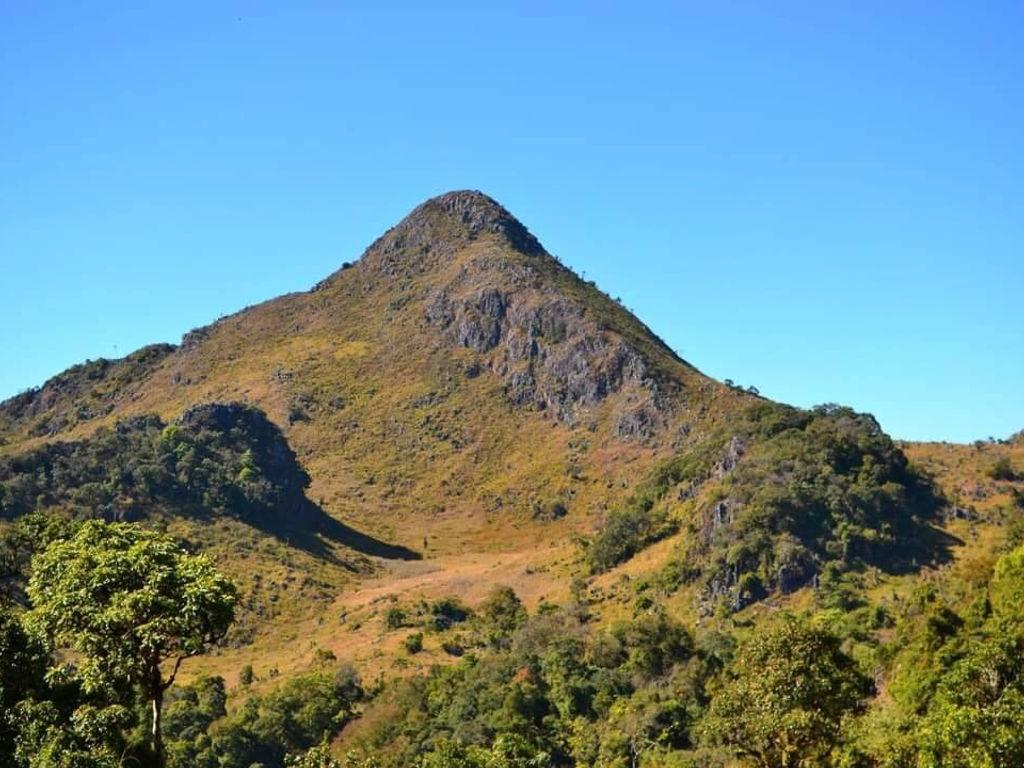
(403, 445)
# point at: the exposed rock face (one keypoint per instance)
(733, 453)
(514, 305)
(639, 422)
(549, 354)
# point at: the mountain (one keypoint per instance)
(454, 339)
(458, 390)
(455, 411)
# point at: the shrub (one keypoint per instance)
(394, 618)
(1002, 469)
(447, 612)
(413, 643)
(246, 676)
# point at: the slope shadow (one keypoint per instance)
(311, 529)
(921, 541)
(926, 545)
(339, 532)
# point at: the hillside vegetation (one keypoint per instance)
(478, 514)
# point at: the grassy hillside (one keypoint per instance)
(455, 392)
(456, 412)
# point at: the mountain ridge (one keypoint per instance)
(430, 233)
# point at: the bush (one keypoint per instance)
(413, 643)
(1002, 469)
(447, 612)
(394, 618)
(626, 532)
(246, 676)
(502, 613)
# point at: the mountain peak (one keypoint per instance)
(454, 219)
(478, 213)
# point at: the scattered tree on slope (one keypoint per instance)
(128, 600)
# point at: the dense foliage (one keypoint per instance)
(784, 699)
(217, 459)
(554, 692)
(784, 497)
(266, 729)
(550, 690)
(128, 601)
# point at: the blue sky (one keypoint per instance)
(825, 200)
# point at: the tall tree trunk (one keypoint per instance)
(158, 706)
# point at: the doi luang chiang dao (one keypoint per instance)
(453, 503)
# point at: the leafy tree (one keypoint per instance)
(128, 600)
(782, 701)
(452, 754)
(190, 711)
(652, 644)
(977, 715)
(502, 614)
(508, 751)
(1007, 587)
(317, 757)
(23, 661)
(86, 739)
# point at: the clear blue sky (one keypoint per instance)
(825, 200)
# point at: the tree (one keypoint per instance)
(22, 666)
(782, 702)
(1006, 589)
(317, 757)
(129, 600)
(89, 738)
(508, 751)
(502, 614)
(451, 754)
(977, 715)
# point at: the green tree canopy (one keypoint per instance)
(784, 698)
(128, 601)
(977, 715)
(22, 665)
(1007, 587)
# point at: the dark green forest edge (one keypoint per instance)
(779, 499)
